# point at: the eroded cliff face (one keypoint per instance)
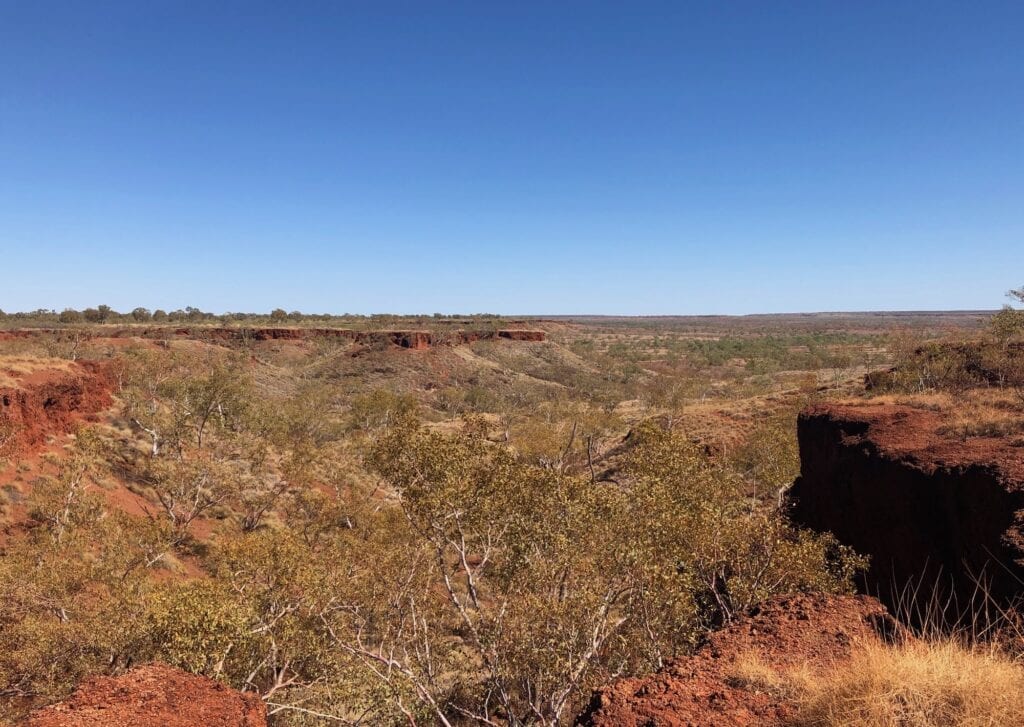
(415, 340)
(936, 514)
(51, 402)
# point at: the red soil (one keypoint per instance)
(911, 436)
(701, 691)
(153, 696)
(47, 403)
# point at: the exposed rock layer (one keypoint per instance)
(416, 340)
(153, 696)
(936, 514)
(701, 690)
(41, 406)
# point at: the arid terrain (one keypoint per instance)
(297, 520)
(544, 364)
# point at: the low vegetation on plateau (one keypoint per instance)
(479, 533)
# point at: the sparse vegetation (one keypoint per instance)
(473, 534)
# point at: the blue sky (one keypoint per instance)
(530, 158)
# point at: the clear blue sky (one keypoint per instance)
(553, 157)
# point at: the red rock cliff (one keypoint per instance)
(416, 340)
(928, 509)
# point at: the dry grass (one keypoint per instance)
(1001, 417)
(749, 672)
(14, 367)
(937, 683)
(985, 413)
(981, 412)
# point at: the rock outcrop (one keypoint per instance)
(415, 340)
(411, 339)
(519, 335)
(153, 696)
(703, 690)
(52, 402)
(936, 514)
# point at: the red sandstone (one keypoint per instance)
(937, 514)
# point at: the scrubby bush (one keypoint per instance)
(346, 561)
(491, 590)
(556, 581)
(957, 364)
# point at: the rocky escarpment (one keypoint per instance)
(703, 690)
(936, 514)
(411, 339)
(415, 340)
(153, 696)
(51, 402)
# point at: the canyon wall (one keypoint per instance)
(937, 515)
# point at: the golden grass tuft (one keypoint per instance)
(938, 683)
(749, 672)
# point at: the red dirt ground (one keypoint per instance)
(911, 435)
(697, 691)
(46, 403)
(153, 696)
(39, 410)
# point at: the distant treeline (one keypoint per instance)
(105, 314)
